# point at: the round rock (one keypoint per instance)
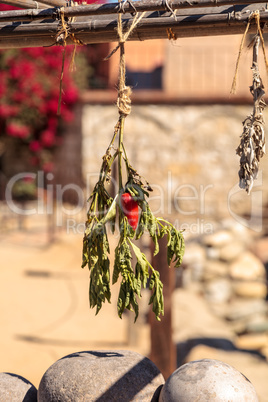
(247, 267)
(107, 376)
(250, 289)
(218, 239)
(218, 291)
(14, 388)
(207, 380)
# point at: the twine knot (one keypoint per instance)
(124, 101)
(124, 92)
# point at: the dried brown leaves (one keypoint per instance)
(252, 145)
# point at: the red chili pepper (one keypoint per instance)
(131, 209)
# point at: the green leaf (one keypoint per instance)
(117, 266)
(151, 224)
(127, 296)
(85, 257)
(127, 300)
(142, 275)
(97, 247)
(151, 283)
(138, 285)
(129, 231)
(135, 306)
(156, 249)
(156, 299)
(143, 222)
(122, 260)
(141, 258)
(111, 213)
(121, 302)
(176, 247)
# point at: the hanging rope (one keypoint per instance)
(124, 92)
(256, 16)
(61, 39)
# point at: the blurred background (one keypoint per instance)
(182, 136)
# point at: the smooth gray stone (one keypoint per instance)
(207, 380)
(14, 388)
(218, 291)
(103, 376)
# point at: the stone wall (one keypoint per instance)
(229, 266)
(187, 153)
(221, 307)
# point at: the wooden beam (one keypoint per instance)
(114, 8)
(104, 31)
(28, 4)
(153, 5)
(158, 97)
(54, 3)
(28, 15)
(163, 349)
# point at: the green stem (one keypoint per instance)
(95, 205)
(126, 160)
(104, 171)
(120, 151)
(163, 220)
(114, 137)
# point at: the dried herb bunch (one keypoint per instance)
(130, 210)
(252, 145)
(104, 210)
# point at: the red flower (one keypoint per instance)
(66, 114)
(70, 95)
(48, 167)
(35, 146)
(18, 130)
(37, 90)
(28, 179)
(52, 123)
(3, 84)
(52, 106)
(8, 111)
(34, 52)
(20, 97)
(23, 69)
(48, 138)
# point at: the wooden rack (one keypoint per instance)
(96, 23)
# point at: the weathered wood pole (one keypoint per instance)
(163, 349)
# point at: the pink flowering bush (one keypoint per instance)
(29, 95)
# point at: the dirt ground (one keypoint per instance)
(45, 312)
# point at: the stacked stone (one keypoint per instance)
(232, 279)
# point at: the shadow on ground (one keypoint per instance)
(184, 348)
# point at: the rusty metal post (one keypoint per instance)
(163, 350)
